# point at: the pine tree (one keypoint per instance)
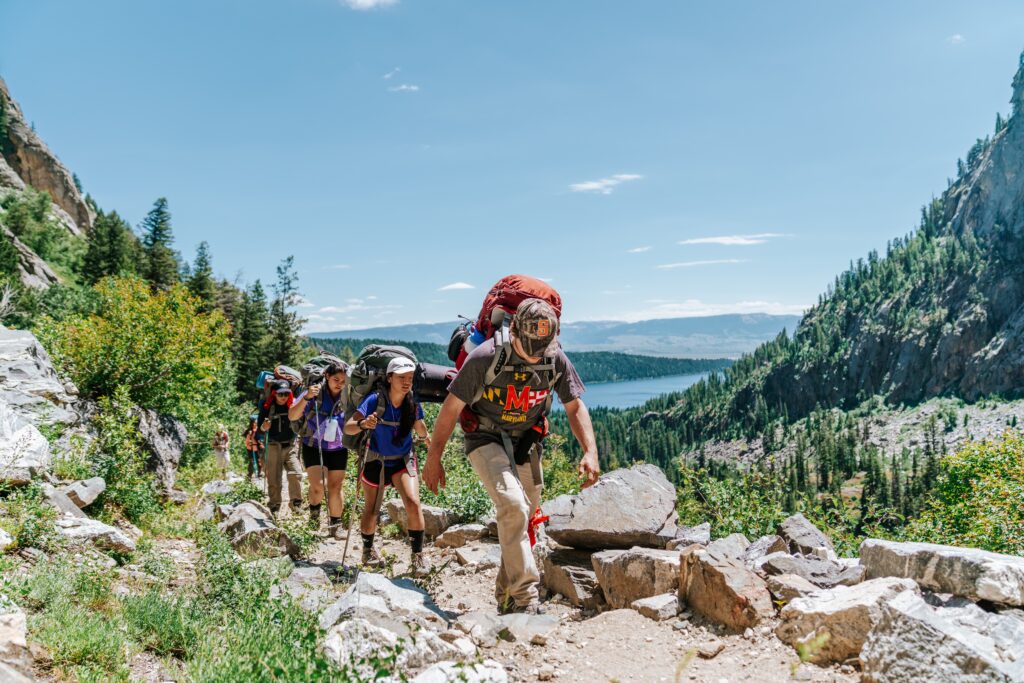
(250, 338)
(200, 281)
(285, 324)
(109, 249)
(161, 263)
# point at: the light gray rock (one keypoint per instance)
(6, 540)
(762, 547)
(253, 533)
(832, 625)
(486, 629)
(29, 383)
(658, 607)
(217, 487)
(207, 512)
(309, 586)
(789, 587)
(164, 439)
(625, 508)
(629, 575)
(570, 573)
(435, 520)
(688, 535)
(358, 643)
(723, 590)
(84, 530)
(13, 638)
(732, 546)
(84, 493)
(805, 538)
(393, 604)
(480, 556)
(966, 572)
(271, 568)
(487, 671)
(822, 573)
(461, 534)
(24, 451)
(60, 502)
(952, 640)
(33, 271)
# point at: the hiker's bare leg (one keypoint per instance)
(335, 492)
(368, 522)
(316, 486)
(408, 488)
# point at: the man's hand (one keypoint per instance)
(433, 474)
(589, 469)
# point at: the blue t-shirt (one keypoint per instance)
(382, 438)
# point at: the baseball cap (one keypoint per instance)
(536, 326)
(401, 365)
(282, 387)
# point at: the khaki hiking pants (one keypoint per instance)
(283, 456)
(514, 500)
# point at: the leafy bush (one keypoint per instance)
(163, 624)
(26, 516)
(979, 498)
(27, 215)
(156, 347)
(464, 494)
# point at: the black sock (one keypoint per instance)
(334, 521)
(367, 541)
(315, 509)
(416, 538)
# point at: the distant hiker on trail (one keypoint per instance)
(282, 453)
(221, 443)
(502, 426)
(254, 448)
(390, 458)
(321, 413)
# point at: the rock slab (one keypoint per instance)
(84, 493)
(723, 590)
(461, 534)
(832, 625)
(658, 607)
(805, 538)
(435, 520)
(253, 533)
(625, 508)
(164, 439)
(629, 575)
(917, 640)
(570, 573)
(393, 604)
(966, 572)
(13, 638)
(24, 451)
(79, 530)
(487, 671)
(822, 573)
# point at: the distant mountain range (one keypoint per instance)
(717, 336)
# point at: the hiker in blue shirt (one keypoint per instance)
(390, 459)
(320, 411)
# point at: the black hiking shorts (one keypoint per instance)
(333, 460)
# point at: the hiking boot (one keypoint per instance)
(533, 607)
(335, 529)
(371, 558)
(274, 509)
(314, 517)
(296, 506)
(420, 566)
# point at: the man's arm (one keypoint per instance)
(447, 418)
(583, 430)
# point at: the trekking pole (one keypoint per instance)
(320, 451)
(359, 473)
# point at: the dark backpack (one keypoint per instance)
(366, 375)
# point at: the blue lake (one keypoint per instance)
(634, 392)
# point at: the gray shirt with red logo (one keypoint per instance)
(517, 397)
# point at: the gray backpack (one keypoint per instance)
(366, 375)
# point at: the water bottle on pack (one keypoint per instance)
(475, 338)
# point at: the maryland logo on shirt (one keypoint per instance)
(515, 402)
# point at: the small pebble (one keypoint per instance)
(748, 634)
(546, 673)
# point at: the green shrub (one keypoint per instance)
(27, 215)
(26, 516)
(84, 642)
(164, 625)
(464, 494)
(979, 498)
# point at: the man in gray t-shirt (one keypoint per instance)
(501, 419)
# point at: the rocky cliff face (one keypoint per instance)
(26, 160)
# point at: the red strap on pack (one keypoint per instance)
(535, 521)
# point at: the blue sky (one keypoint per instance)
(653, 159)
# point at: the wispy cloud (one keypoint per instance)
(455, 285)
(694, 264)
(735, 240)
(391, 74)
(604, 185)
(956, 39)
(405, 87)
(637, 250)
(364, 5)
(303, 302)
(338, 266)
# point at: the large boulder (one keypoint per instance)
(253, 533)
(733, 546)
(435, 520)
(461, 534)
(967, 572)
(308, 586)
(30, 384)
(832, 625)
(723, 590)
(359, 644)
(84, 493)
(570, 573)
(625, 508)
(805, 538)
(24, 451)
(918, 640)
(822, 573)
(486, 671)
(77, 530)
(164, 439)
(394, 604)
(762, 547)
(629, 575)
(13, 639)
